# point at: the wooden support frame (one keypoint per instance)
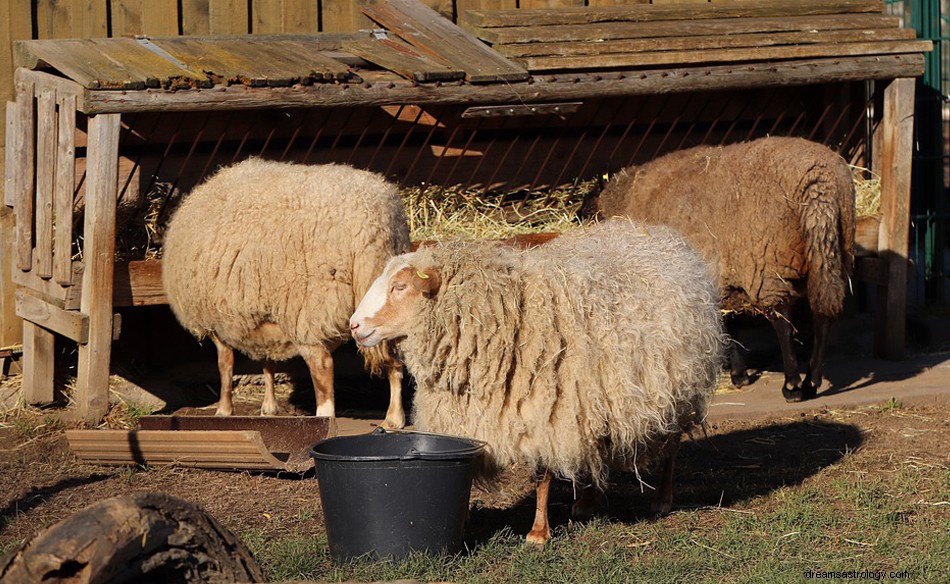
(82, 309)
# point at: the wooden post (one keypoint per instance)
(897, 138)
(38, 364)
(92, 383)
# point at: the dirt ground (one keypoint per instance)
(870, 413)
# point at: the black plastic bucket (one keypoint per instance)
(386, 494)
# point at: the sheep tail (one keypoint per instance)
(828, 222)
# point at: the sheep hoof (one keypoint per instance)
(740, 379)
(391, 425)
(538, 537)
(269, 411)
(793, 395)
(809, 389)
(661, 507)
(222, 413)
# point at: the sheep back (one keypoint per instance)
(588, 350)
(270, 255)
(770, 213)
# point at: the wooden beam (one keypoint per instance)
(92, 381)
(897, 147)
(69, 323)
(391, 89)
(11, 329)
(38, 364)
(9, 163)
(400, 57)
(66, 297)
(643, 12)
(740, 55)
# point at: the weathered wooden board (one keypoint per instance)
(400, 57)
(702, 43)
(677, 58)
(722, 26)
(219, 449)
(438, 37)
(645, 12)
(69, 323)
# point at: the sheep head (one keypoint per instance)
(391, 303)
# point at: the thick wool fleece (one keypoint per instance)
(773, 214)
(266, 243)
(588, 351)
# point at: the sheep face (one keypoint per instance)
(391, 303)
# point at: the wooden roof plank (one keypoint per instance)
(438, 37)
(692, 57)
(566, 49)
(723, 26)
(657, 12)
(399, 57)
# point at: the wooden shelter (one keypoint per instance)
(560, 95)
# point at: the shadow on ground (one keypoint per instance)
(723, 469)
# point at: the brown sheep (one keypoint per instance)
(777, 217)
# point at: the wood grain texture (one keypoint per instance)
(69, 323)
(46, 120)
(24, 148)
(401, 58)
(65, 186)
(38, 360)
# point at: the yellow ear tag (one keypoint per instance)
(422, 275)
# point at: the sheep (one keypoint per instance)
(598, 348)
(270, 258)
(777, 217)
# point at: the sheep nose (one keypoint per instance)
(354, 325)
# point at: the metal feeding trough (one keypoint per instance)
(278, 443)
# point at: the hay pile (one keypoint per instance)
(434, 212)
(867, 192)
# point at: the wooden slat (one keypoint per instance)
(16, 23)
(644, 12)
(149, 17)
(221, 449)
(676, 58)
(63, 190)
(722, 26)
(270, 16)
(702, 43)
(343, 16)
(106, 63)
(399, 57)
(536, 4)
(11, 328)
(23, 164)
(92, 380)
(138, 283)
(9, 163)
(69, 323)
(438, 37)
(56, 19)
(227, 17)
(45, 176)
(256, 62)
(464, 7)
(196, 18)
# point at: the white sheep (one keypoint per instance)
(270, 258)
(596, 349)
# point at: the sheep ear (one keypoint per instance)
(427, 281)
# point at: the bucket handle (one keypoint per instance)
(414, 454)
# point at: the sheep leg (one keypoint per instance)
(737, 366)
(541, 530)
(395, 416)
(813, 378)
(320, 362)
(587, 503)
(269, 405)
(226, 374)
(662, 501)
(792, 389)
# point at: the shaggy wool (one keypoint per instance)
(775, 214)
(273, 256)
(587, 352)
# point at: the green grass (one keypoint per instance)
(842, 518)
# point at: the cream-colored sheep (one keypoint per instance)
(270, 259)
(597, 349)
(776, 215)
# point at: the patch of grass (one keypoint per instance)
(839, 519)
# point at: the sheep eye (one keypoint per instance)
(398, 287)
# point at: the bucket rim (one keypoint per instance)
(475, 447)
